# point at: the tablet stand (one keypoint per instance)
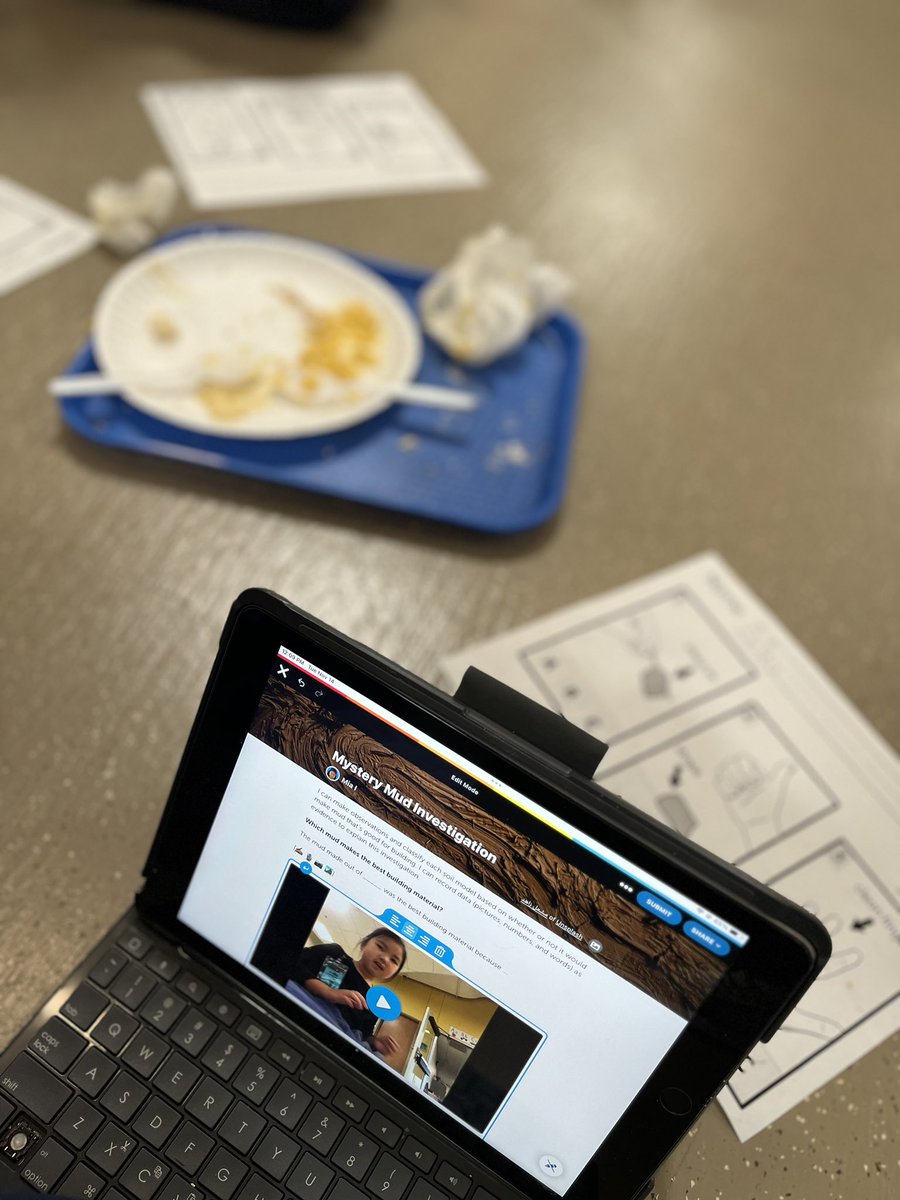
(541, 727)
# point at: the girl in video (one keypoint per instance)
(330, 973)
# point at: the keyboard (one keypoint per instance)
(154, 1080)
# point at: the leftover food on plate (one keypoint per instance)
(162, 328)
(262, 336)
(337, 348)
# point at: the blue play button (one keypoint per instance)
(383, 1003)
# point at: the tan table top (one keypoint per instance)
(722, 181)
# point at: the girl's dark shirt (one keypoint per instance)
(309, 964)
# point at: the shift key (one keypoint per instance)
(32, 1086)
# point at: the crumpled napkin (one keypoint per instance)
(490, 297)
(129, 215)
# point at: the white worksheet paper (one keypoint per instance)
(273, 141)
(36, 235)
(720, 725)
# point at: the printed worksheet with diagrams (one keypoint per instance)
(36, 235)
(722, 726)
(272, 141)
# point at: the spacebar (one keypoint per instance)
(32, 1086)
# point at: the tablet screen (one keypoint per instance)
(514, 971)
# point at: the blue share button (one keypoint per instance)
(659, 908)
(383, 1003)
(706, 937)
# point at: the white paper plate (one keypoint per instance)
(222, 298)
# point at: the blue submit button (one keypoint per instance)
(707, 938)
(659, 908)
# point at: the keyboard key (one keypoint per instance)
(453, 1179)
(6, 1110)
(82, 1182)
(189, 1148)
(321, 1128)
(350, 1105)
(424, 1190)
(344, 1190)
(92, 1071)
(386, 1131)
(145, 1053)
(355, 1154)
(111, 1148)
(284, 1056)
(208, 1102)
(133, 985)
(223, 1010)
(136, 943)
(57, 1044)
(288, 1104)
(275, 1153)
(192, 987)
(176, 1077)
(163, 963)
(420, 1156)
(224, 1055)
(175, 1188)
(241, 1127)
(310, 1178)
(79, 1123)
(257, 1188)
(193, 1031)
(114, 1029)
(256, 1079)
(107, 967)
(254, 1032)
(84, 1006)
(34, 1087)
(46, 1165)
(156, 1121)
(163, 1008)
(143, 1175)
(223, 1174)
(390, 1177)
(317, 1080)
(124, 1096)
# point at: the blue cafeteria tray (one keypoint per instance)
(499, 469)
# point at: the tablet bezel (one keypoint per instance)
(786, 945)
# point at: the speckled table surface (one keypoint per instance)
(723, 184)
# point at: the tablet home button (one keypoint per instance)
(675, 1101)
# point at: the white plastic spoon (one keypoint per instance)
(97, 384)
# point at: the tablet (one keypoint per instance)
(581, 981)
